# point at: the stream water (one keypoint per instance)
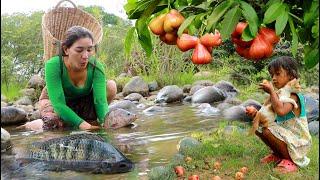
(152, 143)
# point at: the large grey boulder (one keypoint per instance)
(133, 97)
(123, 104)
(312, 108)
(314, 127)
(5, 140)
(169, 94)
(136, 85)
(12, 115)
(195, 88)
(25, 100)
(227, 87)
(153, 86)
(208, 94)
(36, 81)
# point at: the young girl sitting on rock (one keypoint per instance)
(288, 138)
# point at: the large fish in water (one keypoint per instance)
(78, 152)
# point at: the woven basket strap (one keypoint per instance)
(59, 3)
(58, 46)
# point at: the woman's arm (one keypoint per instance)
(56, 94)
(100, 93)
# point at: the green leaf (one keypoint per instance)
(185, 24)
(251, 16)
(128, 40)
(246, 35)
(269, 3)
(294, 47)
(229, 22)
(216, 14)
(281, 22)
(273, 12)
(311, 15)
(311, 58)
(144, 35)
(315, 29)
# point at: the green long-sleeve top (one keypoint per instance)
(60, 89)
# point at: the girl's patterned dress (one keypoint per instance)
(294, 132)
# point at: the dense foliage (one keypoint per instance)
(202, 16)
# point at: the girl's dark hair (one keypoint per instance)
(285, 62)
(73, 34)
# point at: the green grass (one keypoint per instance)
(234, 151)
(12, 91)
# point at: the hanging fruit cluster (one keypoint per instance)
(258, 48)
(167, 25)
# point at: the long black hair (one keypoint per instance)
(73, 34)
(285, 62)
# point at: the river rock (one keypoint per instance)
(153, 86)
(28, 92)
(123, 104)
(236, 113)
(227, 87)
(186, 88)
(195, 88)
(169, 94)
(34, 115)
(136, 85)
(187, 99)
(4, 104)
(251, 102)
(25, 100)
(203, 83)
(12, 115)
(133, 97)
(35, 82)
(3, 98)
(186, 143)
(152, 97)
(27, 108)
(208, 94)
(312, 108)
(314, 127)
(5, 140)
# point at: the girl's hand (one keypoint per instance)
(86, 126)
(251, 111)
(266, 86)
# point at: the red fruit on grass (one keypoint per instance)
(193, 177)
(201, 55)
(216, 178)
(269, 35)
(186, 42)
(244, 170)
(179, 170)
(239, 176)
(217, 165)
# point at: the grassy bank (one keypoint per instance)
(235, 150)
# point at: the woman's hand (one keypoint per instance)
(251, 111)
(86, 126)
(266, 86)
